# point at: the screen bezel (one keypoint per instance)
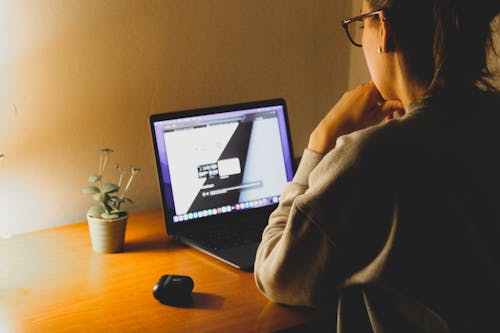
(175, 228)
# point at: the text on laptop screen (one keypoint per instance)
(218, 163)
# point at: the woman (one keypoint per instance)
(394, 226)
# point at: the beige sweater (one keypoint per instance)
(397, 229)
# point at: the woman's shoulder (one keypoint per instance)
(426, 124)
(373, 138)
(457, 102)
(364, 147)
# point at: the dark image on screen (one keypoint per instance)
(221, 188)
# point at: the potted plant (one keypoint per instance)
(107, 220)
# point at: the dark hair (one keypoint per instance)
(444, 43)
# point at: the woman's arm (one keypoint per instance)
(358, 108)
(297, 262)
(291, 257)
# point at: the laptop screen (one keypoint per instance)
(221, 160)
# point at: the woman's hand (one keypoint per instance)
(357, 109)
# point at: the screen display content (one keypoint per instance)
(219, 163)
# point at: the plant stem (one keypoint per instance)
(105, 208)
(128, 185)
(100, 163)
(122, 172)
(106, 154)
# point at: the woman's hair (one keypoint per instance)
(443, 43)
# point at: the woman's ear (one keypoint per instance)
(386, 36)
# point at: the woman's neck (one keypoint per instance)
(406, 89)
(411, 94)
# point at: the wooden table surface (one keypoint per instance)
(51, 281)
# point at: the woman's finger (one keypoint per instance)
(392, 106)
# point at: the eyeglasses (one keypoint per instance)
(354, 27)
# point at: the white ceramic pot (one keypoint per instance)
(107, 236)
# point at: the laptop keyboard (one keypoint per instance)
(229, 237)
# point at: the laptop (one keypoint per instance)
(221, 171)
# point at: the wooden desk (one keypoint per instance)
(51, 281)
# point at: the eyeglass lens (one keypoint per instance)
(355, 29)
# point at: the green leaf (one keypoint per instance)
(109, 216)
(109, 188)
(95, 178)
(107, 206)
(95, 211)
(101, 197)
(91, 190)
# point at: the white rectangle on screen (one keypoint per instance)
(228, 167)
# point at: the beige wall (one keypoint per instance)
(358, 71)
(76, 76)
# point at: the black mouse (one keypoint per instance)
(174, 290)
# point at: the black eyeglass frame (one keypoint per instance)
(345, 23)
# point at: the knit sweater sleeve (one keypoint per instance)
(281, 259)
(298, 262)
